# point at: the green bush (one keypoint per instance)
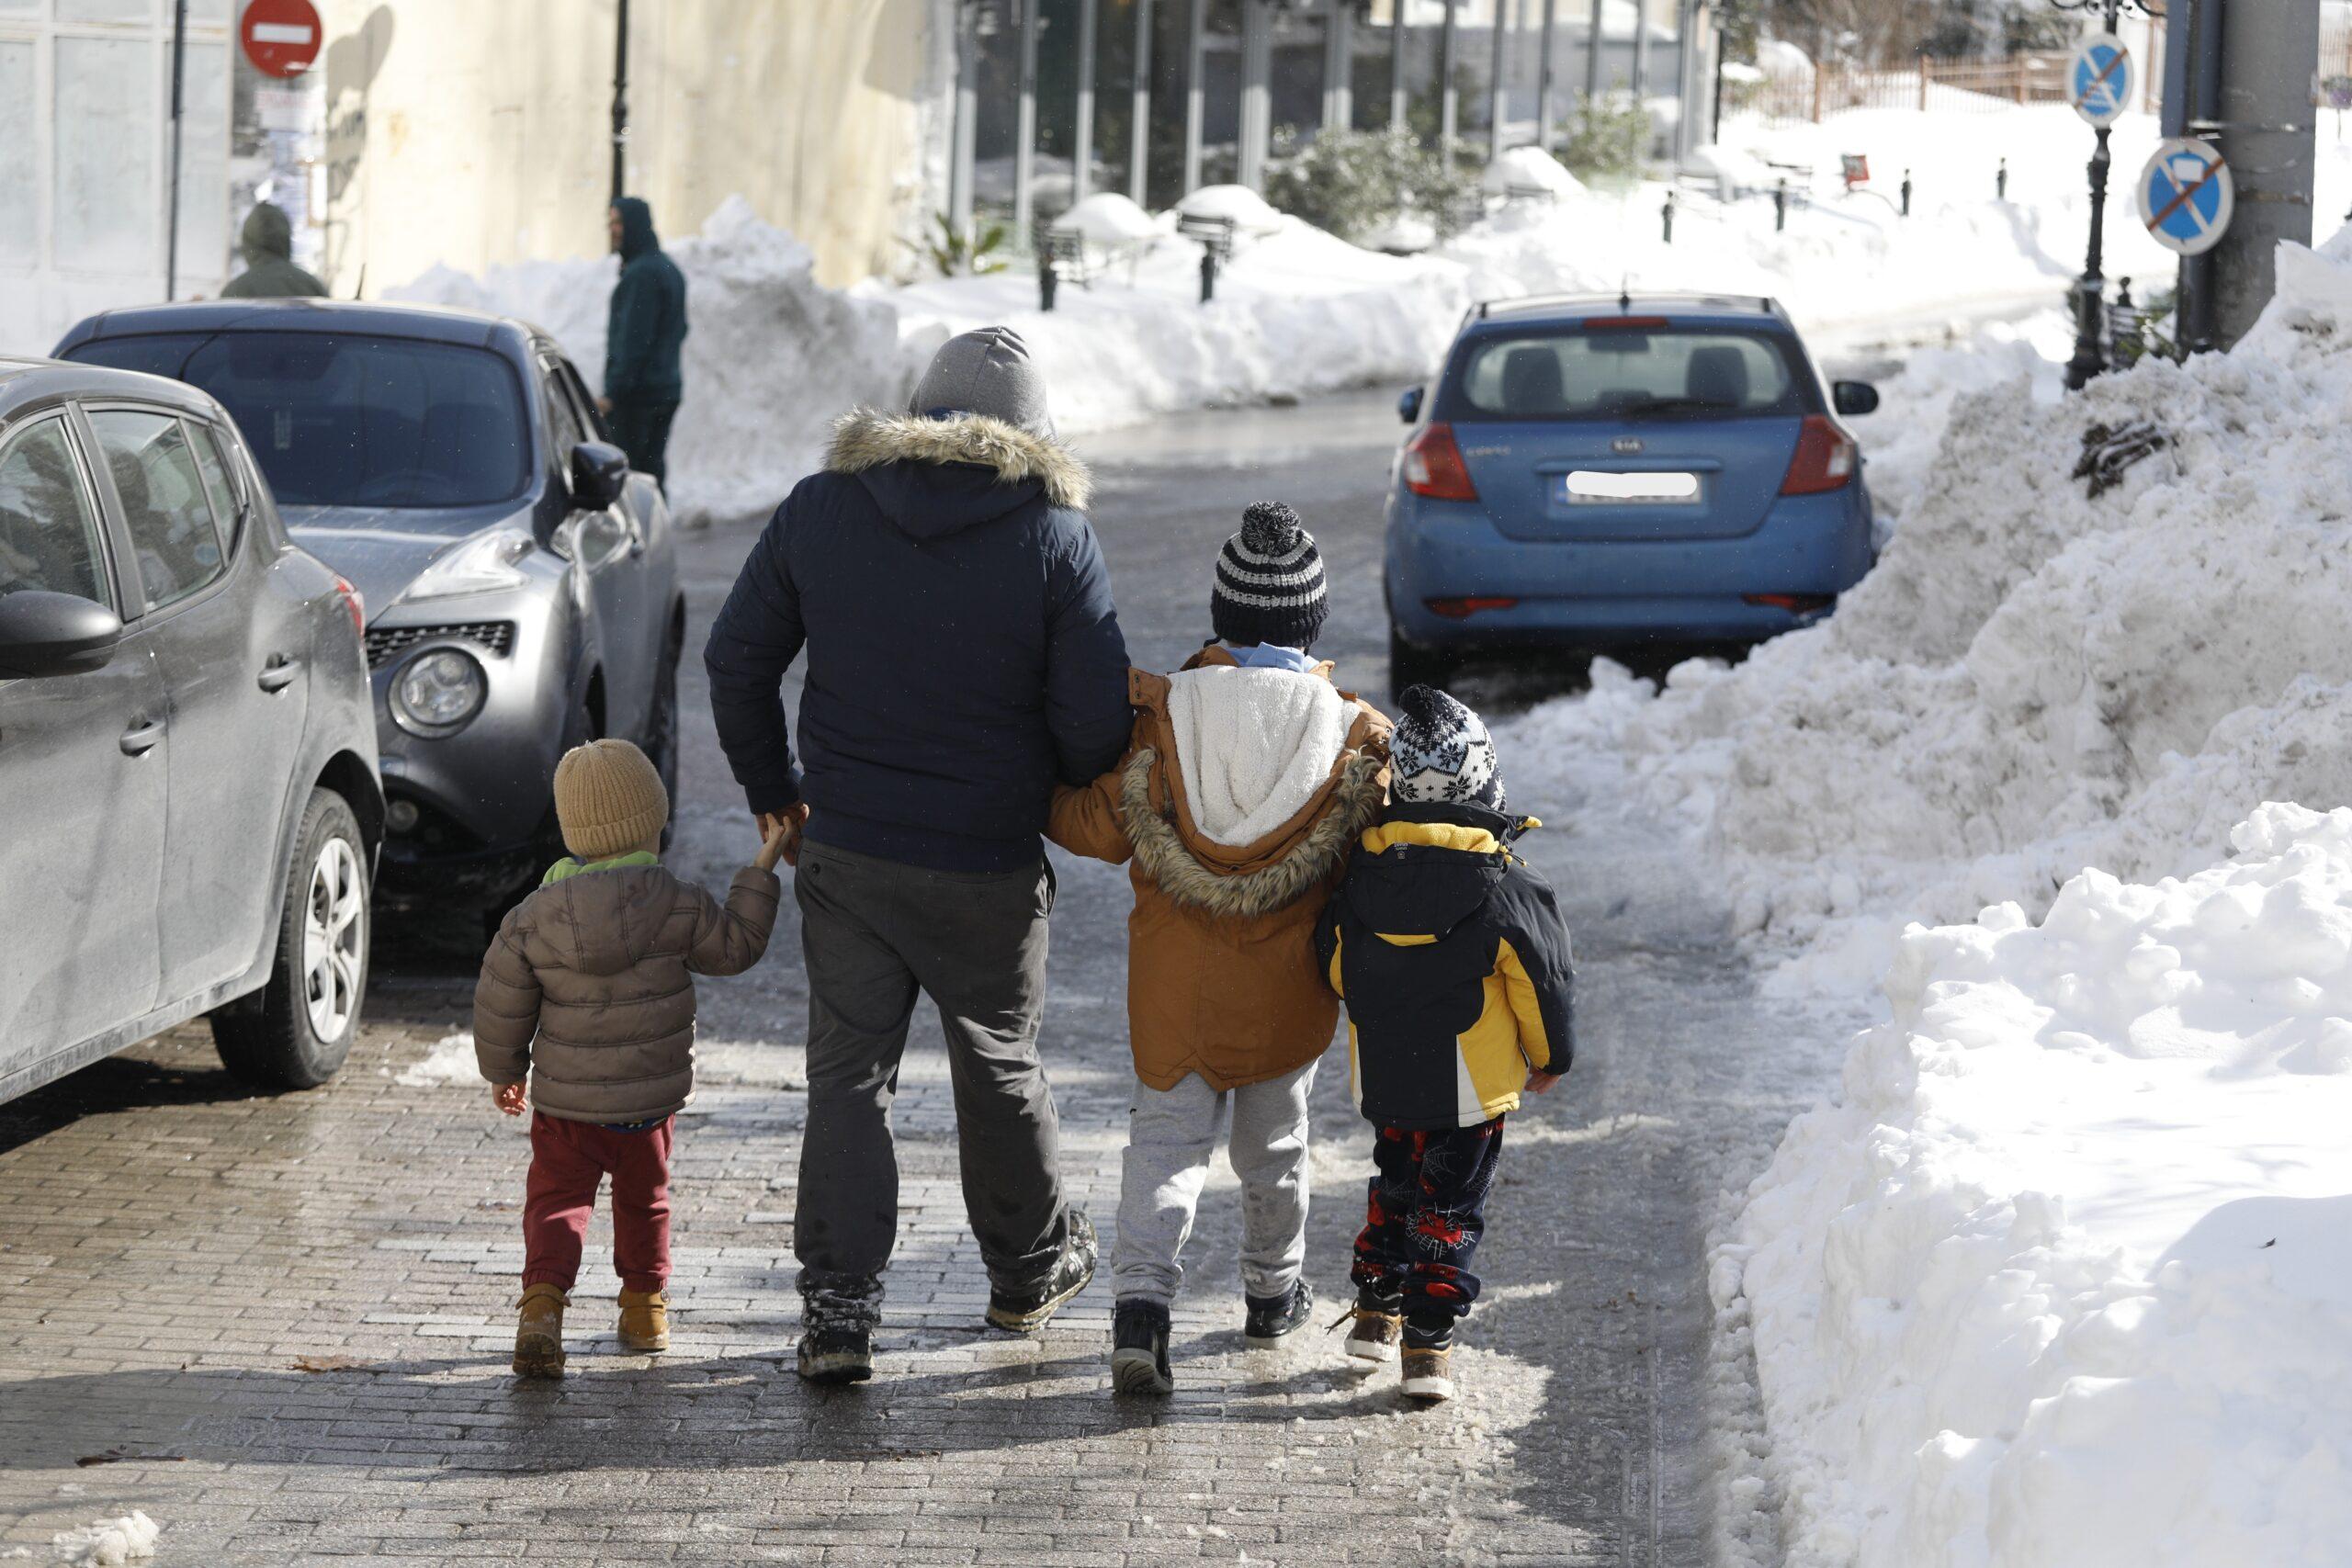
(1350, 183)
(1609, 139)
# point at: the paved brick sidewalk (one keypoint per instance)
(284, 1321)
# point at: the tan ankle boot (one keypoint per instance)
(645, 1321)
(538, 1332)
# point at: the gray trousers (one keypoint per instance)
(1171, 1134)
(875, 934)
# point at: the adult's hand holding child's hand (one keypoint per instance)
(780, 836)
(507, 1097)
(1541, 1083)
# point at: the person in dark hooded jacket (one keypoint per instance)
(1451, 955)
(963, 658)
(267, 242)
(644, 331)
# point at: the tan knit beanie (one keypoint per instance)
(608, 799)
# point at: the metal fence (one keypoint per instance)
(1963, 85)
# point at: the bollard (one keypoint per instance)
(1208, 273)
(1781, 205)
(1666, 212)
(2001, 182)
(1906, 193)
(1049, 277)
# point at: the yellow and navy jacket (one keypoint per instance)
(1454, 963)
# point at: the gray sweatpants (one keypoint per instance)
(1171, 1134)
(874, 934)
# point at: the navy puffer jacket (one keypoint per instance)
(964, 655)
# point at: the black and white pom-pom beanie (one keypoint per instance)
(1440, 753)
(1269, 582)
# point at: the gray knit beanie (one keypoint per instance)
(1269, 582)
(1440, 753)
(987, 372)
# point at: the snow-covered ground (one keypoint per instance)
(773, 355)
(2061, 1278)
(2065, 1277)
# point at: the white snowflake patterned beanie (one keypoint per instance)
(1269, 582)
(1440, 753)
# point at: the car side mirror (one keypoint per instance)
(1854, 397)
(599, 475)
(55, 634)
(1408, 406)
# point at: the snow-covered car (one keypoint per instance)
(1602, 472)
(521, 580)
(187, 757)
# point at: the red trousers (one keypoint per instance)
(569, 1160)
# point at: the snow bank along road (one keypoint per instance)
(285, 1320)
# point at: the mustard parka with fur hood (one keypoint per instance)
(1235, 809)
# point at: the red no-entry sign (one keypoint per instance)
(280, 37)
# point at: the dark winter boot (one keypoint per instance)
(1028, 1309)
(1271, 1317)
(836, 1352)
(1139, 1349)
(1376, 1325)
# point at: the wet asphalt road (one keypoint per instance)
(150, 1191)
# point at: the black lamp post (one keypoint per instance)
(620, 98)
(2090, 310)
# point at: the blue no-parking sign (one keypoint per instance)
(2185, 196)
(2099, 79)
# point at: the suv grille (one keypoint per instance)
(387, 643)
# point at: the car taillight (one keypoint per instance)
(1622, 323)
(1463, 609)
(353, 603)
(1795, 604)
(1433, 465)
(1823, 460)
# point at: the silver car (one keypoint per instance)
(187, 757)
(521, 583)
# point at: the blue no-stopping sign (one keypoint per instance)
(2185, 196)
(2098, 80)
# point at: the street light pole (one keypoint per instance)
(2090, 305)
(620, 99)
(172, 209)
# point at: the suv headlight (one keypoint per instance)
(438, 690)
(488, 564)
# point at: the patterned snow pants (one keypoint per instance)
(1422, 1222)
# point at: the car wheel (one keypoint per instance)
(1411, 665)
(296, 1030)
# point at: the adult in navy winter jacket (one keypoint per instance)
(963, 657)
(645, 332)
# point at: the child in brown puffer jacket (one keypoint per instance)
(1246, 781)
(588, 989)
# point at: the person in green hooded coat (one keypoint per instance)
(643, 334)
(267, 242)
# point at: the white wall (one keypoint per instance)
(85, 148)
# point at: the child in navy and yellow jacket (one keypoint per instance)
(1455, 964)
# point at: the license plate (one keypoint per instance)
(1593, 486)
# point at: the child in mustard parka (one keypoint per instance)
(1249, 777)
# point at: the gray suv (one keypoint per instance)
(187, 760)
(521, 580)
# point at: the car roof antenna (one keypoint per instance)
(1625, 295)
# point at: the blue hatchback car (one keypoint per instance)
(1606, 473)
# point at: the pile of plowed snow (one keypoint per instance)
(2066, 1278)
(2035, 679)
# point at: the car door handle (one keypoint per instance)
(279, 672)
(141, 737)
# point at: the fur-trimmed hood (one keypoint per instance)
(868, 439)
(1190, 883)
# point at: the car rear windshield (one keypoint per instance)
(1629, 372)
(342, 420)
